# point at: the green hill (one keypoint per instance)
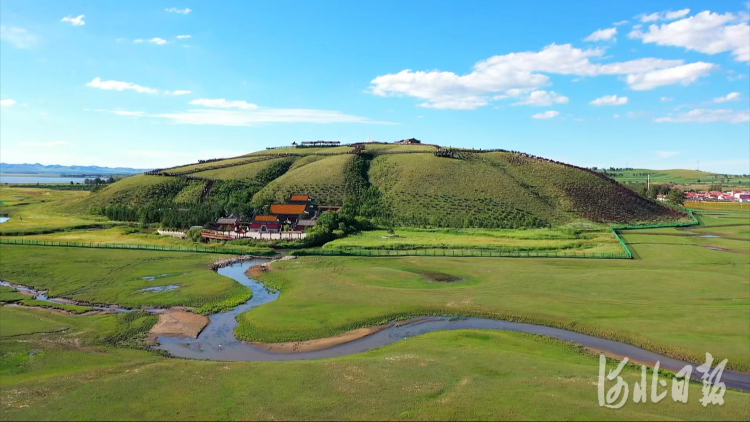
(408, 185)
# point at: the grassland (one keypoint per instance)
(718, 206)
(671, 176)
(117, 277)
(638, 301)
(470, 374)
(680, 298)
(34, 210)
(504, 240)
(124, 235)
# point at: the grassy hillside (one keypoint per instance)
(322, 179)
(408, 184)
(427, 190)
(246, 171)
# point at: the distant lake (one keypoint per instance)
(15, 179)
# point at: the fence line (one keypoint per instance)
(487, 253)
(96, 245)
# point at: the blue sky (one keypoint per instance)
(151, 84)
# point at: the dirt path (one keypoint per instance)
(178, 323)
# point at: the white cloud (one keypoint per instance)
(706, 32)
(121, 112)
(665, 99)
(184, 11)
(602, 35)
(222, 103)
(260, 116)
(250, 116)
(17, 37)
(183, 37)
(120, 86)
(708, 116)
(663, 16)
(685, 75)
(616, 116)
(178, 92)
(508, 75)
(666, 154)
(77, 21)
(157, 41)
(546, 115)
(610, 100)
(7, 102)
(543, 98)
(732, 96)
(620, 23)
(46, 144)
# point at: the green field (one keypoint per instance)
(677, 297)
(117, 277)
(620, 299)
(132, 236)
(40, 210)
(677, 176)
(499, 376)
(594, 241)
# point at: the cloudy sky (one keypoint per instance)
(150, 83)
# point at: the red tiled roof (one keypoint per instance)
(300, 198)
(265, 218)
(288, 209)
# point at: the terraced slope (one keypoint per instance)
(586, 193)
(323, 179)
(140, 190)
(427, 190)
(245, 171)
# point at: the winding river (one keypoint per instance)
(217, 341)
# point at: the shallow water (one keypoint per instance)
(4, 219)
(39, 179)
(157, 289)
(709, 235)
(217, 341)
(43, 296)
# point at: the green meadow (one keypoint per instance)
(34, 210)
(118, 277)
(72, 373)
(598, 241)
(677, 297)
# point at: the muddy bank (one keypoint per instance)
(178, 322)
(321, 343)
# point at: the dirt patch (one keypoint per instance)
(321, 343)
(436, 277)
(178, 323)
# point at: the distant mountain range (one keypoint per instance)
(58, 169)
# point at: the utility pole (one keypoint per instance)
(648, 182)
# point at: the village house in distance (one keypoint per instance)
(284, 221)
